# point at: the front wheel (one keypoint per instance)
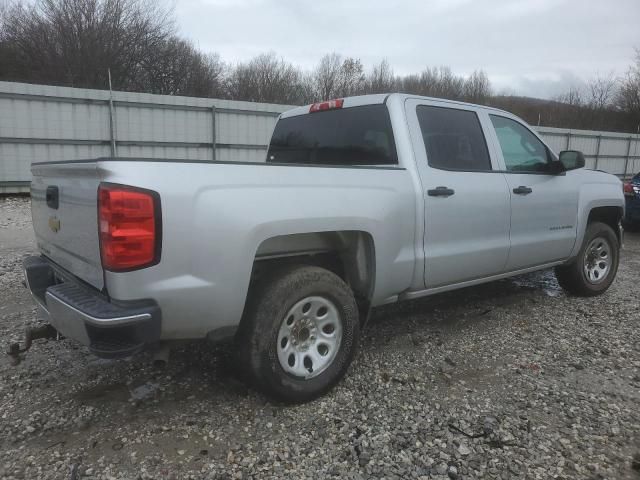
(594, 269)
(300, 332)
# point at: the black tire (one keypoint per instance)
(572, 277)
(269, 302)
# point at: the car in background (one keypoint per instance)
(632, 200)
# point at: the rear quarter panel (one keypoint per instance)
(215, 216)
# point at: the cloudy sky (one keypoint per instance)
(528, 47)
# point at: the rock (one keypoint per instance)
(83, 424)
(489, 425)
(448, 360)
(464, 450)
(444, 456)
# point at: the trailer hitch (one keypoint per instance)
(45, 331)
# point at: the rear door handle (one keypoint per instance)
(441, 192)
(522, 190)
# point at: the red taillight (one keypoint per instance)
(628, 189)
(129, 227)
(328, 105)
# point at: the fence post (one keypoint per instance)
(112, 133)
(568, 140)
(213, 132)
(626, 161)
(112, 126)
(598, 151)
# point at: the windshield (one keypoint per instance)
(348, 136)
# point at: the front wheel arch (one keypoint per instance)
(611, 216)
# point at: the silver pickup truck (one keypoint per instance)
(361, 202)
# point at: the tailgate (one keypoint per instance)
(64, 206)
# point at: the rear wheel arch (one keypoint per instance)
(350, 254)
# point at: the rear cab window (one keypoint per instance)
(353, 136)
(453, 139)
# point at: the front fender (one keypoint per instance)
(592, 196)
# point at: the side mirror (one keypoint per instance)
(572, 159)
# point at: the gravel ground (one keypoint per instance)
(513, 379)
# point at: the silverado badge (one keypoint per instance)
(54, 224)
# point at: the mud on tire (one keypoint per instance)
(276, 328)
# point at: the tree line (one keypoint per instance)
(76, 42)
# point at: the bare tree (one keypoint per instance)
(326, 75)
(337, 77)
(573, 97)
(74, 42)
(601, 91)
(449, 85)
(438, 82)
(353, 78)
(267, 78)
(177, 68)
(628, 97)
(381, 79)
(477, 87)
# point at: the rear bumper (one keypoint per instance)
(110, 329)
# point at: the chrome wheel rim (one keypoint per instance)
(597, 260)
(309, 337)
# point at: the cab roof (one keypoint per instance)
(379, 98)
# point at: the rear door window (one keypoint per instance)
(346, 136)
(453, 139)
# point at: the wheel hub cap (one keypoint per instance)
(303, 334)
(309, 337)
(597, 260)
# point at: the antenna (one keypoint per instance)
(112, 129)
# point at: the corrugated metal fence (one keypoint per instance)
(617, 153)
(40, 123)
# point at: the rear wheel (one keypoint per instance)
(594, 269)
(300, 333)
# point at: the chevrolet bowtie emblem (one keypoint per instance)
(54, 224)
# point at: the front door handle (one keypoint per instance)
(441, 192)
(522, 190)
